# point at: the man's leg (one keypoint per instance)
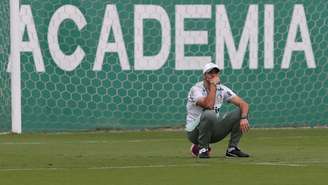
(202, 134)
(193, 136)
(225, 125)
(205, 128)
(230, 124)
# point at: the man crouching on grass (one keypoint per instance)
(205, 125)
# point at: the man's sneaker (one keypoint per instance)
(203, 153)
(235, 152)
(194, 149)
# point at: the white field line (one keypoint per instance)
(278, 164)
(91, 142)
(148, 166)
(106, 167)
(296, 164)
(129, 141)
(4, 133)
(303, 163)
(285, 137)
(21, 143)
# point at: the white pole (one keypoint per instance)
(16, 117)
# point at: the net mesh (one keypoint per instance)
(116, 98)
(4, 82)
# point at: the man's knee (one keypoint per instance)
(237, 112)
(235, 115)
(209, 116)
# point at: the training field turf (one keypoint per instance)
(279, 156)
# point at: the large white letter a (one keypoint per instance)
(298, 21)
(111, 22)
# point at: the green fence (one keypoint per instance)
(123, 92)
(4, 82)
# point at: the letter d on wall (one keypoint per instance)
(142, 12)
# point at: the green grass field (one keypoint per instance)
(279, 157)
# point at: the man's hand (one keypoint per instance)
(244, 125)
(215, 80)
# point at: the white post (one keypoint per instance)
(16, 120)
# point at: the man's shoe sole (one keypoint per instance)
(234, 155)
(196, 155)
(204, 157)
(231, 155)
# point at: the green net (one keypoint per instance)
(114, 97)
(4, 82)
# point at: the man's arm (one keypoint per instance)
(208, 101)
(243, 105)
